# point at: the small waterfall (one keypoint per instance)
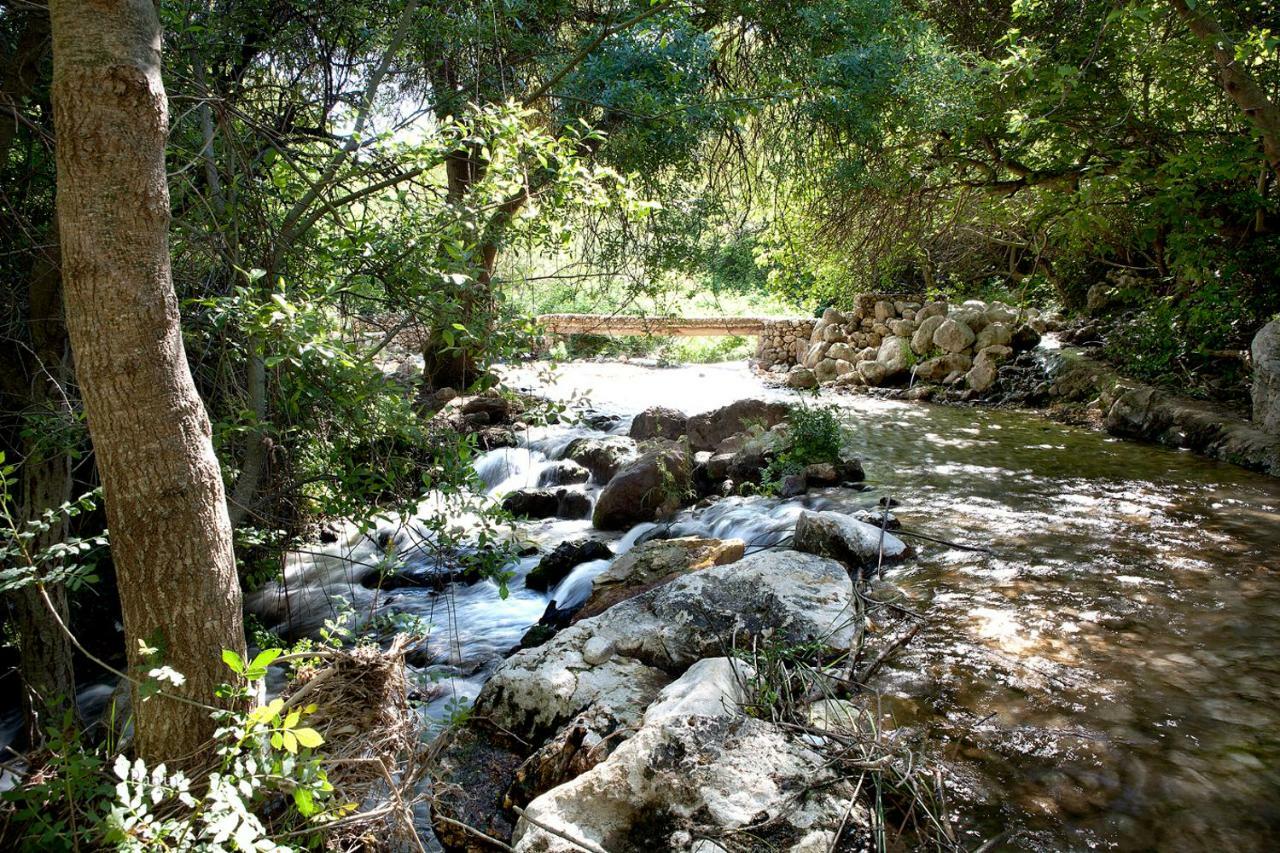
(576, 588)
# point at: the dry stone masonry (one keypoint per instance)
(888, 341)
(783, 342)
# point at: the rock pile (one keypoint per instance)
(628, 731)
(884, 342)
(783, 342)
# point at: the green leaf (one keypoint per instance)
(233, 661)
(309, 738)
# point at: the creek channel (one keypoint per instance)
(1107, 677)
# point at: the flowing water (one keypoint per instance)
(1106, 678)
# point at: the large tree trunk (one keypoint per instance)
(166, 509)
(48, 679)
(1239, 84)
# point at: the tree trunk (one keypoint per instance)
(1248, 95)
(166, 509)
(48, 679)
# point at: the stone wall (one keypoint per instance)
(890, 340)
(783, 343)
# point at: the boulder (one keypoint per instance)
(826, 370)
(792, 485)
(801, 377)
(1025, 337)
(998, 313)
(974, 318)
(885, 311)
(815, 353)
(547, 503)
(823, 474)
(650, 487)
(872, 372)
(844, 538)
(931, 309)
(922, 337)
(833, 315)
(833, 334)
(902, 328)
(707, 430)
(1137, 412)
(565, 472)
(659, 422)
(1266, 377)
(710, 772)
(602, 456)
(953, 336)
(493, 406)
(996, 334)
(893, 354)
(841, 352)
(994, 354)
(793, 597)
(562, 560)
(982, 375)
(653, 563)
(940, 367)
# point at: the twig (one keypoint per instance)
(501, 845)
(589, 846)
(980, 548)
(887, 653)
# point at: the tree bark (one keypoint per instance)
(1245, 91)
(166, 509)
(48, 677)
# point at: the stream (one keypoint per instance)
(1106, 678)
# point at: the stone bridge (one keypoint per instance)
(619, 325)
(782, 340)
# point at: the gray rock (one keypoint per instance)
(792, 485)
(659, 422)
(1266, 377)
(706, 431)
(940, 367)
(710, 769)
(566, 472)
(953, 335)
(833, 334)
(922, 337)
(931, 309)
(562, 560)
(1025, 337)
(815, 353)
(872, 372)
(801, 377)
(844, 538)
(794, 597)
(650, 487)
(826, 370)
(601, 456)
(982, 375)
(547, 503)
(893, 354)
(996, 334)
(902, 328)
(842, 352)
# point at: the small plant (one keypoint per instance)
(815, 435)
(265, 758)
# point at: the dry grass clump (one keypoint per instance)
(374, 756)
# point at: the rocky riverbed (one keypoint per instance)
(1099, 677)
